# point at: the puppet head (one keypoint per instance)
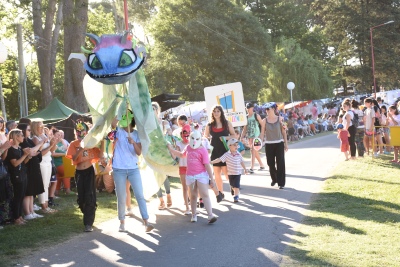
(185, 133)
(123, 123)
(195, 139)
(114, 58)
(81, 129)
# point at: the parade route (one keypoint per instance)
(254, 232)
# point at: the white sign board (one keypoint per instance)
(230, 97)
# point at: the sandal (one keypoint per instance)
(394, 161)
(162, 206)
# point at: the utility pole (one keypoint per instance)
(23, 100)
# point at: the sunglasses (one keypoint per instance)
(1, 121)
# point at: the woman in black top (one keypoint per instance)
(217, 128)
(16, 159)
(35, 183)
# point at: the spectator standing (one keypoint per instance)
(35, 182)
(385, 130)
(16, 159)
(369, 117)
(314, 112)
(218, 128)
(348, 126)
(3, 133)
(38, 136)
(251, 131)
(343, 136)
(83, 158)
(11, 124)
(274, 134)
(6, 188)
(359, 138)
(394, 120)
(58, 154)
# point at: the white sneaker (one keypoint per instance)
(194, 218)
(36, 207)
(188, 212)
(129, 212)
(376, 155)
(37, 215)
(122, 227)
(29, 217)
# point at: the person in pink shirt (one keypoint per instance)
(199, 175)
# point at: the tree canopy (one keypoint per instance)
(203, 43)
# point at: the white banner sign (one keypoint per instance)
(230, 97)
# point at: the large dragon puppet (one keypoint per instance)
(115, 82)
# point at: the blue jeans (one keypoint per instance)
(133, 175)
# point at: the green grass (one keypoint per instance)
(18, 241)
(354, 221)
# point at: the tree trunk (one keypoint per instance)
(75, 23)
(46, 46)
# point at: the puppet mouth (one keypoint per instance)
(115, 78)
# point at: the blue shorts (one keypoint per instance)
(53, 179)
(234, 180)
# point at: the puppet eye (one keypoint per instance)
(94, 62)
(127, 58)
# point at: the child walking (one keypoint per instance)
(234, 162)
(343, 135)
(199, 175)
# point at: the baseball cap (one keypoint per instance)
(340, 126)
(249, 105)
(232, 141)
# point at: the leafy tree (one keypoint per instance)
(347, 25)
(205, 43)
(9, 77)
(294, 64)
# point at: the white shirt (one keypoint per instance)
(124, 156)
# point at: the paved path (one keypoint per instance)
(254, 232)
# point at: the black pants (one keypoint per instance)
(352, 140)
(276, 154)
(86, 194)
(19, 184)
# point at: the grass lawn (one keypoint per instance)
(354, 221)
(18, 241)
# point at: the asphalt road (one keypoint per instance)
(253, 232)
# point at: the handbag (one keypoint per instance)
(3, 170)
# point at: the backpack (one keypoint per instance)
(355, 121)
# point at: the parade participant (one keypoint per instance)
(83, 158)
(274, 134)
(218, 128)
(181, 146)
(164, 125)
(368, 118)
(251, 131)
(127, 148)
(233, 161)
(199, 175)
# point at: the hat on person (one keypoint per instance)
(340, 126)
(270, 105)
(249, 105)
(232, 141)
